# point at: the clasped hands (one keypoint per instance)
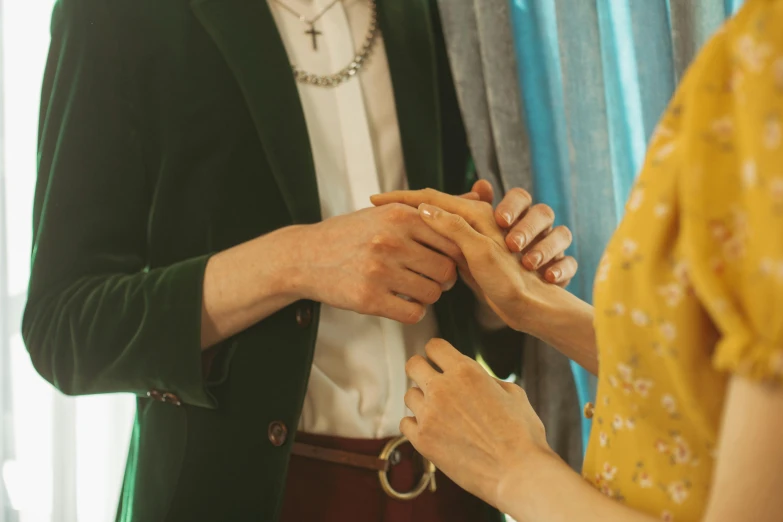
(476, 429)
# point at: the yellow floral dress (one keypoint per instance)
(690, 290)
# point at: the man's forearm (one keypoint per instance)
(247, 283)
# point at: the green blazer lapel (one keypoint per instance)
(407, 33)
(246, 34)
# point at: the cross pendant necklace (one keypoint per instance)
(315, 33)
(312, 32)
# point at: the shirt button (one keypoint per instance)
(589, 410)
(304, 315)
(278, 433)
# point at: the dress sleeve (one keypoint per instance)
(732, 196)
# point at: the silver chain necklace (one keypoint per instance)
(356, 64)
(312, 32)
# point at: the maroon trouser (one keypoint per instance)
(320, 491)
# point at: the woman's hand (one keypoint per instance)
(529, 231)
(492, 270)
(474, 428)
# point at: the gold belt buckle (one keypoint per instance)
(427, 479)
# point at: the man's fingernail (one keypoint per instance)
(427, 210)
(519, 241)
(506, 217)
(535, 258)
(448, 285)
(556, 274)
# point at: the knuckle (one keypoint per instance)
(545, 211)
(520, 193)
(397, 212)
(375, 268)
(365, 296)
(383, 242)
(432, 294)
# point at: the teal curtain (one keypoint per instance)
(595, 76)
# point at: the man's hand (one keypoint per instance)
(381, 261)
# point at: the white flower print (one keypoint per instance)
(668, 331)
(617, 422)
(671, 293)
(681, 273)
(661, 447)
(609, 472)
(630, 424)
(618, 309)
(642, 386)
(773, 132)
(639, 318)
(723, 128)
(645, 480)
(678, 492)
(766, 266)
(776, 189)
(661, 131)
(613, 381)
(606, 490)
(603, 269)
(629, 247)
(682, 452)
(625, 371)
(752, 54)
(669, 404)
(635, 201)
(750, 174)
(667, 516)
(664, 151)
(661, 209)
(603, 439)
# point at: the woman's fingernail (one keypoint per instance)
(506, 217)
(519, 241)
(555, 274)
(427, 210)
(535, 258)
(448, 285)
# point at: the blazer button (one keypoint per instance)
(304, 315)
(589, 410)
(171, 399)
(278, 433)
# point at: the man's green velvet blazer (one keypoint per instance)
(171, 130)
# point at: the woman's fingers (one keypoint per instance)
(515, 203)
(547, 248)
(561, 271)
(536, 221)
(453, 227)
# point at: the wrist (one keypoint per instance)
(291, 278)
(522, 483)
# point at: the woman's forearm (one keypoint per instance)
(545, 489)
(246, 284)
(565, 322)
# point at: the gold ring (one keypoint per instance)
(427, 479)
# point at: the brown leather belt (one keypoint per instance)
(379, 464)
(356, 460)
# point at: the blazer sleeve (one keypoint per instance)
(98, 320)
